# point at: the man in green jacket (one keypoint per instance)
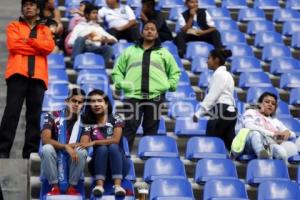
(145, 72)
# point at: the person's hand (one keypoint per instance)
(195, 118)
(199, 32)
(72, 153)
(86, 145)
(193, 11)
(73, 11)
(286, 135)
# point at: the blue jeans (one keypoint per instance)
(255, 143)
(109, 160)
(49, 165)
(80, 47)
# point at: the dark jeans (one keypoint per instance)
(135, 109)
(80, 47)
(222, 124)
(18, 89)
(109, 162)
(182, 38)
(130, 34)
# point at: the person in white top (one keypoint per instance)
(196, 25)
(219, 103)
(120, 19)
(91, 37)
(266, 132)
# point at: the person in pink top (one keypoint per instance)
(78, 15)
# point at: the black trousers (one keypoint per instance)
(134, 110)
(130, 34)
(222, 124)
(1, 195)
(182, 38)
(20, 88)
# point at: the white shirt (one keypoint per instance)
(85, 28)
(209, 21)
(221, 90)
(116, 17)
(254, 120)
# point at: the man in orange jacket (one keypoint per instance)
(28, 43)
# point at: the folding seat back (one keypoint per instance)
(167, 4)
(182, 108)
(233, 36)
(257, 26)
(195, 49)
(266, 4)
(283, 15)
(226, 25)
(254, 79)
(89, 61)
(245, 64)
(199, 64)
(175, 12)
(290, 27)
(119, 47)
(171, 47)
(234, 4)
(290, 80)
(184, 126)
(240, 49)
(56, 61)
(284, 64)
(253, 93)
(296, 40)
(250, 14)
(295, 96)
(267, 37)
(292, 124)
(219, 13)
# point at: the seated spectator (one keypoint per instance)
(53, 26)
(120, 19)
(78, 15)
(51, 144)
(103, 131)
(265, 132)
(149, 13)
(91, 37)
(49, 12)
(196, 25)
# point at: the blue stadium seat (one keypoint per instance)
(119, 47)
(214, 168)
(158, 168)
(204, 79)
(283, 110)
(267, 37)
(73, 3)
(167, 189)
(259, 170)
(167, 4)
(295, 96)
(199, 64)
(162, 130)
(226, 25)
(298, 175)
(284, 64)
(205, 147)
(266, 4)
(290, 27)
(253, 93)
(290, 80)
(183, 108)
(182, 92)
(206, 3)
(241, 107)
(234, 4)
(275, 190)
(100, 3)
(52, 104)
(56, 61)
(245, 64)
(219, 13)
(58, 90)
(104, 86)
(57, 75)
(89, 61)
(292, 124)
(225, 189)
(272, 51)
(257, 26)
(171, 47)
(89, 72)
(240, 49)
(184, 79)
(251, 14)
(195, 49)
(175, 12)
(93, 78)
(293, 4)
(296, 40)
(233, 36)
(157, 146)
(184, 126)
(179, 63)
(134, 3)
(283, 15)
(254, 79)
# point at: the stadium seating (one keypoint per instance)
(283, 65)
(205, 147)
(234, 4)
(245, 64)
(58, 74)
(253, 93)
(161, 128)
(199, 64)
(254, 79)
(290, 80)
(231, 37)
(184, 108)
(225, 189)
(266, 4)
(89, 61)
(56, 61)
(206, 3)
(240, 49)
(52, 104)
(175, 12)
(167, 4)
(292, 124)
(283, 15)
(214, 168)
(178, 189)
(290, 27)
(157, 146)
(184, 79)
(283, 110)
(251, 14)
(182, 92)
(195, 49)
(272, 51)
(219, 13)
(275, 190)
(204, 79)
(266, 170)
(257, 26)
(267, 37)
(295, 96)
(226, 25)
(171, 47)
(296, 40)
(158, 168)
(184, 126)
(119, 47)
(134, 3)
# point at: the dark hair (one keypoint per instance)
(51, 22)
(151, 2)
(75, 91)
(222, 55)
(32, 1)
(89, 8)
(265, 94)
(89, 116)
(152, 22)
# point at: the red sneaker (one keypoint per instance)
(54, 191)
(72, 191)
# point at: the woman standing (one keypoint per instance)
(219, 102)
(103, 131)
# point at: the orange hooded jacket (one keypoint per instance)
(28, 49)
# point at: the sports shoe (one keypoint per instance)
(98, 191)
(72, 191)
(263, 154)
(54, 191)
(119, 191)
